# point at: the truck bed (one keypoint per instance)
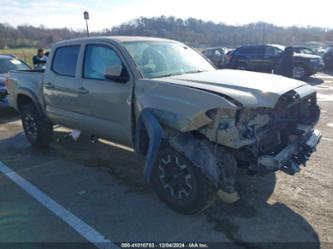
(27, 82)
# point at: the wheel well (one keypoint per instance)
(23, 100)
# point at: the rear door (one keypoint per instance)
(257, 56)
(272, 58)
(252, 56)
(107, 103)
(62, 86)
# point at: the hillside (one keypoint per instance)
(192, 31)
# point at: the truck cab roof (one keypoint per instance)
(118, 39)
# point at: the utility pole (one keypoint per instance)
(86, 17)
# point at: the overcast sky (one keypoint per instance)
(108, 13)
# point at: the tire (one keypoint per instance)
(300, 72)
(242, 66)
(37, 128)
(178, 183)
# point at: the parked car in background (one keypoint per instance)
(266, 58)
(328, 58)
(317, 47)
(215, 55)
(320, 51)
(228, 56)
(7, 63)
(303, 50)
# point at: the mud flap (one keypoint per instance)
(154, 131)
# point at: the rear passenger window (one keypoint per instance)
(65, 60)
(245, 50)
(253, 50)
(258, 50)
(271, 51)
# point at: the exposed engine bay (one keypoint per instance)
(252, 134)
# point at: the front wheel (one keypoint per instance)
(37, 128)
(178, 183)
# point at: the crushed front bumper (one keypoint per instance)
(292, 156)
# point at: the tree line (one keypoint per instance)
(195, 32)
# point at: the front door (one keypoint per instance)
(107, 103)
(256, 58)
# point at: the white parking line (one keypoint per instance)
(323, 76)
(77, 224)
(30, 168)
(327, 139)
(325, 97)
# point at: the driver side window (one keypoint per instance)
(98, 60)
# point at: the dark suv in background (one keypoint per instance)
(303, 50)
(266, 58)
(328, 57)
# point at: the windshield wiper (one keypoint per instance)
(168, 75)
(195, 71)
(180, 73)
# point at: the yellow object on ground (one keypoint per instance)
(227, 197)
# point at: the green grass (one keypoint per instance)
(24, 54)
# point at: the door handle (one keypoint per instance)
(49, 85)
(82, 90)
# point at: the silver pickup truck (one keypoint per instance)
(195, 124)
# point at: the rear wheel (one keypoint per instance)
(178, 183)
(37, 128)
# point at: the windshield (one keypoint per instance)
(306, 51)
(8, 64)
(162, 59)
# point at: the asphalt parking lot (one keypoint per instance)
(102, 186)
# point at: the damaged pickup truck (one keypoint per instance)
(196, 125)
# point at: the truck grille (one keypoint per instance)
(290, 109)
(290, 112)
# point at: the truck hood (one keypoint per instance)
(248, 89)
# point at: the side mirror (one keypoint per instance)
(117, 73)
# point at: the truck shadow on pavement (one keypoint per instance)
(251, 220)
(254, 222)
(314, 81)
(8, 115)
